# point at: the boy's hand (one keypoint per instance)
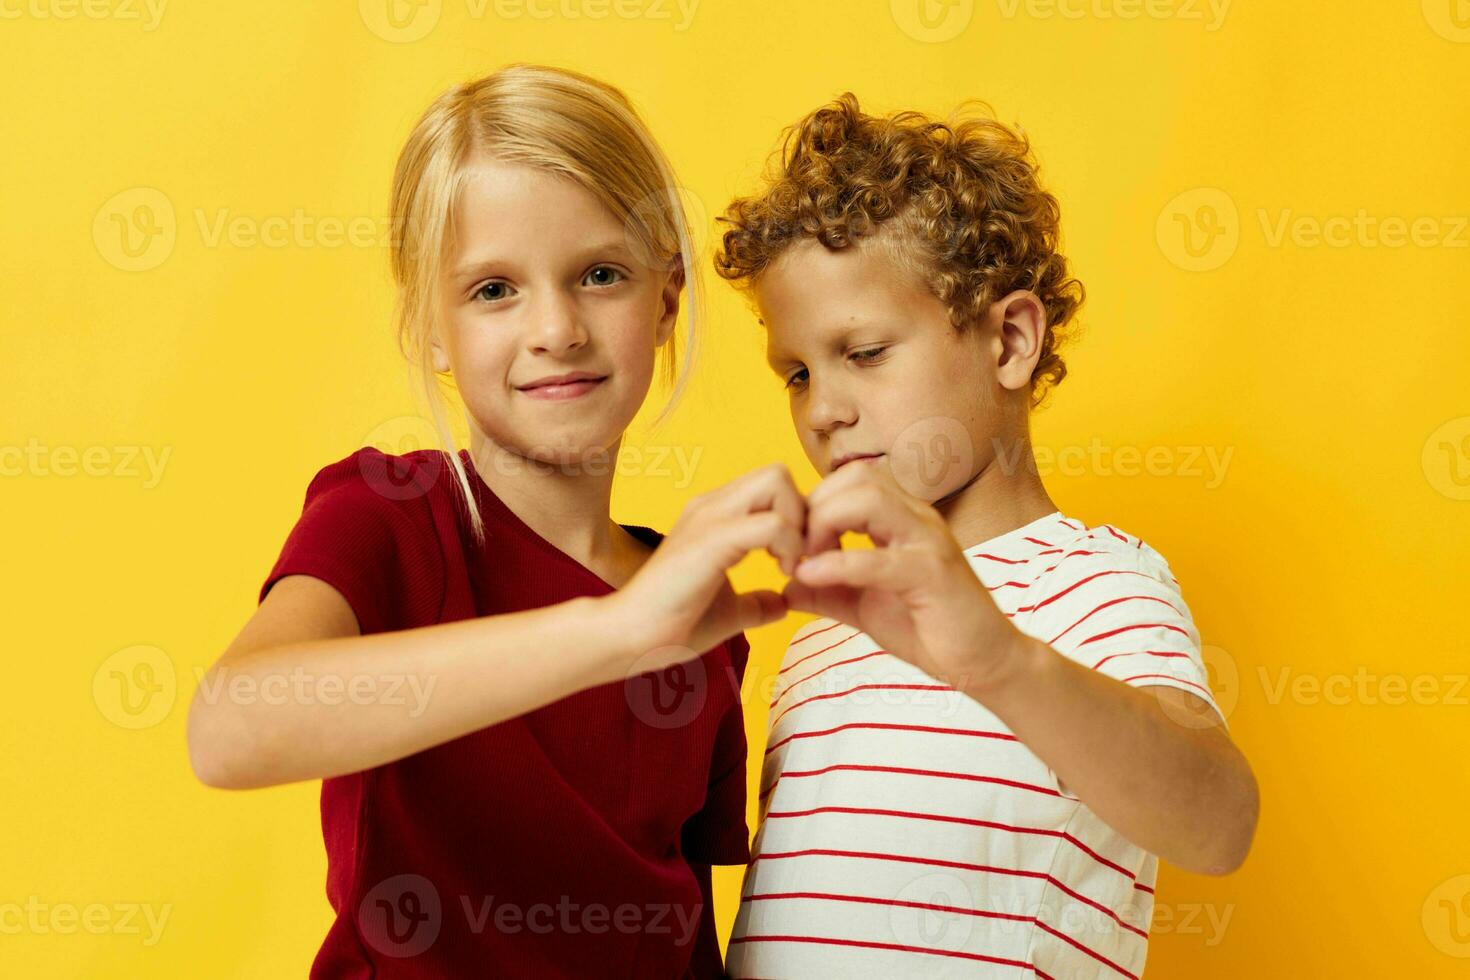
(914, 593)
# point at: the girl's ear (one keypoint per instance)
(438, 355)
(1021, 330)
(673, 286)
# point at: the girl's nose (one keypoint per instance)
(556, 327)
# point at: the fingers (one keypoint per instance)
(755, 609)
(852, 476)
(732, 541)
(875, 568)
(835, 602)
(768, 489)
(732, 613)
(868, 508)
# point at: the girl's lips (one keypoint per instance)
(562, 392)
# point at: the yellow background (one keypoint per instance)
(1336, 375)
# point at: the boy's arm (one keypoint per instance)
(1153, 763)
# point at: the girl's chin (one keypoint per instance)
(576, 457)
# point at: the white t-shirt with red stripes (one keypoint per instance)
(905, 832)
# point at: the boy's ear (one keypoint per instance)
(1020, 330)
(673, 286)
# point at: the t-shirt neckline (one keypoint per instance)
(510, 518)
(1015, 534)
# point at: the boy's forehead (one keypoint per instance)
(812, 294)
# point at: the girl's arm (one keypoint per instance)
(279, 706)
(301, 695)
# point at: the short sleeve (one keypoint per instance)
(1118, 609)
(718, 834)
(376, 550)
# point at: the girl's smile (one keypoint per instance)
(564, 387)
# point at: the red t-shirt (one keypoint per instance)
(575, 840)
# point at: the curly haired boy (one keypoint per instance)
(1003, 719)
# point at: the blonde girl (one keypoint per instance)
(525, 715)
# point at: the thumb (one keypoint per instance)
(834, 602)
(753, 609)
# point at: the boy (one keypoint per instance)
(978, 775)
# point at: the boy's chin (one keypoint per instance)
(932, 480)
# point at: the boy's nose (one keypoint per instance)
(828, 409)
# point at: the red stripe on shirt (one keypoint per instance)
(1007, 561)
(903, 771)
(1077, 585)
(1105, 605)
(809, 656)
(885, 726)
(860, 687)
(853, 660)
(1135, 626)
(1140, 677)
(801, 639)
(930, 906)
(1052, 568)
(978, 913)
(967, 821)
(865, 944)
(1139, 653)
(960, 865)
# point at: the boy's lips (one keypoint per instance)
(842, 461)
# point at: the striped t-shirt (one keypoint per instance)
(905, 832)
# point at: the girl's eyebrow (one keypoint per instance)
(612, 248)
(475, 269)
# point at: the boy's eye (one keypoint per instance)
(869, 354)
(495, 291)
(604, 275)
(798, 378)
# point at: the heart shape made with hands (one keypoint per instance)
(913, 592)
(911, 542)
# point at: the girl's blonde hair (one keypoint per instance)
(554, 120)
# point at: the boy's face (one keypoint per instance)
(874, 367)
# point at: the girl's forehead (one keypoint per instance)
(520, 203)
(492, 182)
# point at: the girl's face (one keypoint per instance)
(543, 284)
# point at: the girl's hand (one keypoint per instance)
(680, 603)
(915, 593)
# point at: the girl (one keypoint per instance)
(525, 716)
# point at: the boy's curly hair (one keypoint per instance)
(971, 217)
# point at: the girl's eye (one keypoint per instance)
(604, 275)
(494, 291)
(870, 354)
(796, 379)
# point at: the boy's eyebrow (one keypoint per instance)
(776, 359)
